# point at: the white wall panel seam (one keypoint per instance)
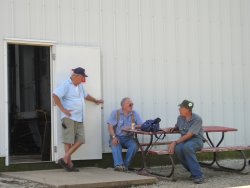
(231, 62)
(44, 20)
(59, 20)
(188, 48)
(199, 53)
(223, 92)
(102, 76)
(101, 28)
(220, 61)
(28, 18)
(219, 66)
(128, 56)
(178, 21)
(141, 59)
(73, 13)
(243, 99)
(164, 58)
(87, 21)
(195, 51)
(153, 57)
(115, 58)
(12, 18)
(210, 59)
(140, 49)
(245, 103)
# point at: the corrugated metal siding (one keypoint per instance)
(158, 52)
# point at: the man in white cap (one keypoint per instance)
(69, 97)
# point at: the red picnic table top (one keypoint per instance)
(210, 128)
(213, 128)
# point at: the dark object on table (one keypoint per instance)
(151, 125)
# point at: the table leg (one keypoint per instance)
(210, 141)
(144, 169)
(234, 169)
(211, 144)
(169, 172)
(215, 155)
(144, 152)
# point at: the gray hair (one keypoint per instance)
(123, 100)
(73, 74)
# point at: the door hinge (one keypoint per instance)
(53, 57)
(55, 149)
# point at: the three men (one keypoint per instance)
(190, 126)
(118, 120)
(69, 97)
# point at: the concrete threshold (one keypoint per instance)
(87, 178)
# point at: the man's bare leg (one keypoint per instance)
(66, 149)
(69, 150)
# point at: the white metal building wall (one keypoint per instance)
(158, 52)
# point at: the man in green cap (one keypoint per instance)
(190, 126)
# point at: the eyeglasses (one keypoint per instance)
(131, 104)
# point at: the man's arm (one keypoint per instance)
(196, 126)
(60, 106)
(170, 129)
(93, 99)
(180, 140)
(184, 138)
(111, 131)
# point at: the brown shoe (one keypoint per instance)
(63, 164)
(73, 169)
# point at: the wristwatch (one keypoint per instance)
(113, 136)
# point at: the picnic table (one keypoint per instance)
(213, 148)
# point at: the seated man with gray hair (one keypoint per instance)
(118, 120)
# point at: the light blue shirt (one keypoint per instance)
(124, 121)
(72, 98)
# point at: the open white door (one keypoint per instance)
(66, 58)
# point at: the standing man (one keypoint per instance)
(69, 97)
(191, 140)
(119, 119)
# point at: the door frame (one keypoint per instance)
(6, 101)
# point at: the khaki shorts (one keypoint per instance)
(72, 131)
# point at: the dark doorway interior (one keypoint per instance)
(29, 103)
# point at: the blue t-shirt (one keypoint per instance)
(72, 98)
(124, 121)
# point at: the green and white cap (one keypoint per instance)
(187, 104)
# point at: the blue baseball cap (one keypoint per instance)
(80, 71)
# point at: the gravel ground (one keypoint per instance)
(19, 183)
(213, 178)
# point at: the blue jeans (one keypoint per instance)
(186, 153)
(126, 142)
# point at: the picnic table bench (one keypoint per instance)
(146, 148)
